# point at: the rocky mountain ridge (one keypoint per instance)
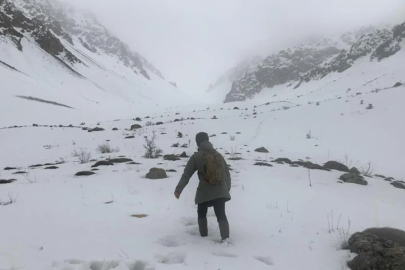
(308, 62)
(58, 29)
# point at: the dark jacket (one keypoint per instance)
(205, 191)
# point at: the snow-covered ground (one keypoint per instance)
(277, 220)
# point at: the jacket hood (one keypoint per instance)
(206, 146)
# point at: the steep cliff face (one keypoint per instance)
(308, 62)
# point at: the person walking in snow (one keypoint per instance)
(214, 184)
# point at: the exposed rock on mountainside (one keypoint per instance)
(59, 30)
(235, 73)
(308, 62)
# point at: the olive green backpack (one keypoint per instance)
(215, 171)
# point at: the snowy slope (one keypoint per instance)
(73, 61)
(78, 223)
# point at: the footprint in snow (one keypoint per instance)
(170, 241)
(224, 254)
(265, 260)
(189, 221)
(171, 258)
(193, 231)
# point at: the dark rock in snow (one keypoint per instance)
(353, 178)
(354, 170)
(378, 249)
(20, 172)
(9, 168)
(171, 170)
(84, 173)
(135, 126)
(263, 164)
(156, 173)
(133, 163)
(130, 137)
(334, 165)
(115, 129)
(102, 163)
(262, 150)
(398, 184)
(96, 129)
(283, 160)
(138, 119)
(171, 157)
(51, 168)
(119, 160)
(7, 181)
(310, 165)
(398, 84)
(159, 123)
(213, 135)
(35, 166)
(184, 155)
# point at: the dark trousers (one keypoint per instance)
(219, 209)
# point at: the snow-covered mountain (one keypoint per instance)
(315, 61)
(51, 52)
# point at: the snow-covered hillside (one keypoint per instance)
(321, 60)
(50, 52)
(118, 219)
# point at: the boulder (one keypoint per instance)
(51, 168)
(130, 137)
(353, 178)
(184, 155)
(354, 170)
(375, 252)
(283, 160)
(398, 184)
(115, 129)
(35, 166)
(84, 173)
(263, 164)
(138, 119)
(20, 172)
(10, 168)
(156, 173)
(135, 126)
(171, 157)
(310, 165)
(95, 129)
(171, 170)
(133, 163)
(334, 165)
(398, 84)
(262, 150)
(7, 181)
(159, 123)
(119, 160)
(103, 163)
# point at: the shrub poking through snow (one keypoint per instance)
(12, 198)
(151, 150)
(232, 137)
(370, 106)
(106, 148)
(369, 171)
(179, 135)
(309, 135)
(83, 155)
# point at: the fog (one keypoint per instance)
(192, 42)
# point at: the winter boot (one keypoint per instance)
(224, 229)
(203, 226)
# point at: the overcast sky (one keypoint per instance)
(193, 41)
